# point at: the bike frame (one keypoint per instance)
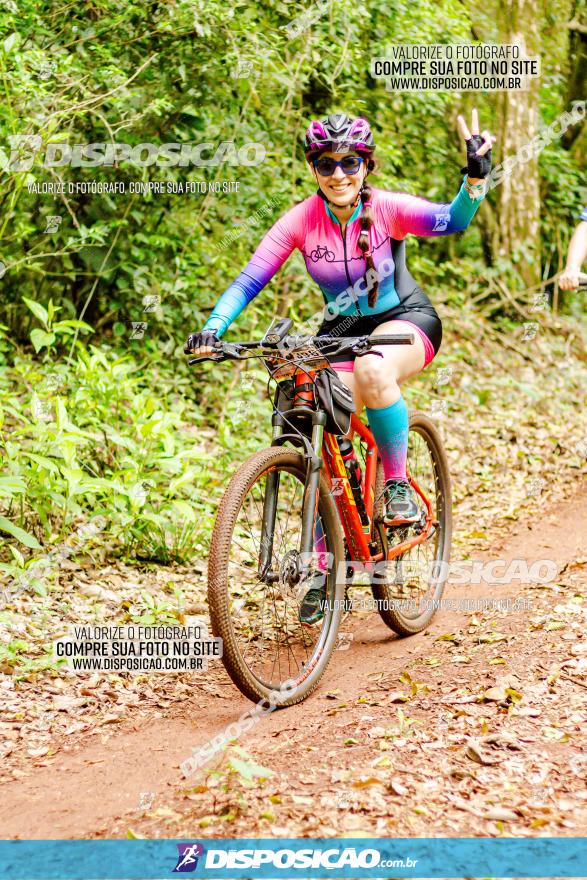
(322, 454)
(361, 547)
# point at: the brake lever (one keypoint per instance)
(366, 345)
(206, 357)
(371, 351)
(232, 350)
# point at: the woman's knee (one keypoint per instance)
(378, 385)
(409, 359)
(373, 373)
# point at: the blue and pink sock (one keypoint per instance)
(389, 425)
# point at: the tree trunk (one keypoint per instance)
(578, 70)
(517, 232)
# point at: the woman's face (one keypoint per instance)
(341, 189)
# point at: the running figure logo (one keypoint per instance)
(187, 861)
(441, 222)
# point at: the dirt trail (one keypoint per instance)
(326, 745)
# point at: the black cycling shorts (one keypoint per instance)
(415, 308)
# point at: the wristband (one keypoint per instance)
(475, 190)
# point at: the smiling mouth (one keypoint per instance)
(340, 188)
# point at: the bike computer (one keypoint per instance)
(277, 330)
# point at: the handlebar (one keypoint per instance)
(582, 282)
(295, 346)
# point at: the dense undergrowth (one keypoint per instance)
(125, 455)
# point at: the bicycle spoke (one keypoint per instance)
(414, 576)
(273, 643)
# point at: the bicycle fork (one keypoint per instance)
(310, 506)
(309, 510)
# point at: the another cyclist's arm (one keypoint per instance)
(411, 215)
(569, 280)
(270, 255)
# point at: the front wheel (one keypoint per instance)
(254, 608)
(408, 592)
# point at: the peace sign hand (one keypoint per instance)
(478, 148)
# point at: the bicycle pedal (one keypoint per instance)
(421, 524)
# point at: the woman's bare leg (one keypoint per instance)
(378, 378)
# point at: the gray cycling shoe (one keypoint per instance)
(401, 505)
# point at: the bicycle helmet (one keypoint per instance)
(338, 133)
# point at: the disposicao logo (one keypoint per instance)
(187, 861)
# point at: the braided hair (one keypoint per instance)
(364, 241)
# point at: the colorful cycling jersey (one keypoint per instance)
(584, 214)
(333, 257)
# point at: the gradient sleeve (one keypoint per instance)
(412, 215)
(584, 214)
(271, 254)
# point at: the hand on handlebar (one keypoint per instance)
(206, 346)
(201, 344)
(570, 279)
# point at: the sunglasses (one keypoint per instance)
(326, 167)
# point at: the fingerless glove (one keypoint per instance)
(477, 166)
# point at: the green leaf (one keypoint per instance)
(41, 339)
(185, 509)
(79, 325)
(38, 310)
(17, 555)
(10, 42)
(189, 476)
(12, 485)
(62, 418)
(46, 463)
(118, 438)
(95, 484)
(20, 534)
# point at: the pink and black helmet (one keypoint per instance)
(338, 133)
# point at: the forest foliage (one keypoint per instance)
(99, 418)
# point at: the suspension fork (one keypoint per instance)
(311, 488)
(269, 510)
(310, 496)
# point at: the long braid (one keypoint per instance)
(365, 240)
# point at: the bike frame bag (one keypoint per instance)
(332, 395)
(336, 400)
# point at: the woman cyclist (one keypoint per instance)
(351, 236)
(569, 279)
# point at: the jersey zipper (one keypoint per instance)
(346, 268)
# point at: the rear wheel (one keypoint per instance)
(409, 589)
(267, 652)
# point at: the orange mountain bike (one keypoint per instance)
(264, 543)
